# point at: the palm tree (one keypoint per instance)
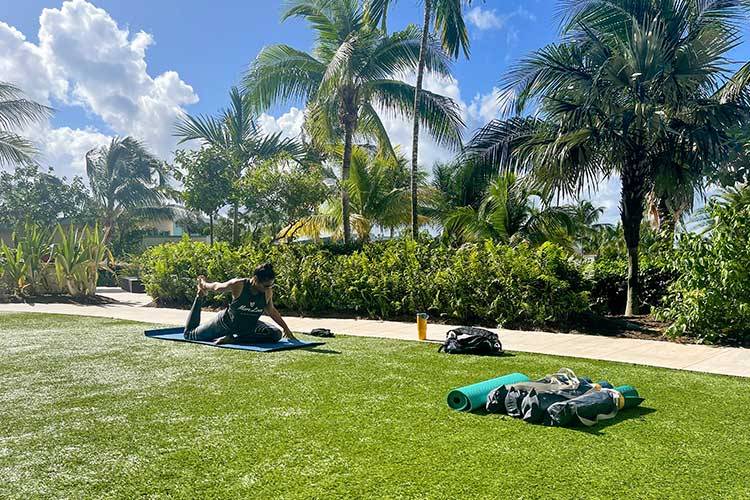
(352, 71)
(633, 85)
(378, 194)
(453, 185)
(454, 37)
(236, 134)
(588, 232)
(127, 182)
(17, 112)
(510, 211)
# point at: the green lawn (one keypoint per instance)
(91, 408)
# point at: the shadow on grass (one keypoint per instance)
(322, 351)
(504, 354)
(595, 430)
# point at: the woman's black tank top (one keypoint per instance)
(242, 314)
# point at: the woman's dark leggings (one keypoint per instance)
(207, 332)
(215, 329)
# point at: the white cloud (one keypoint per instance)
(107, 68)
(607, 195)
(85, 59)
(65, 148)
(26, 65)
(488, 19)
(485, 19)
(484, 107)
(289, 124)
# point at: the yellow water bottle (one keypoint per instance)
(422, 326)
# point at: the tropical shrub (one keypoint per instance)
(606, 279)
(483, 283)
(14, 268)
(34, 246)
(40, 264)
(711, 298)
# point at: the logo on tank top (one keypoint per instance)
(252, 308)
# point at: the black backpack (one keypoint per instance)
(321, 332)
(470, 340)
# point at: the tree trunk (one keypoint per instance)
(211, 228)
(415, 133)
(632, 205)
(109, 229)
(348, 133)
(667, 221)
(235, 217)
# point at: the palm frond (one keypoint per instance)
(14, 149)
(280, 73)
(371, 125)
(449, 22)
(399, 52)
(16, 111)
(207, 129)
(438, 114)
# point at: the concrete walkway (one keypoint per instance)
(719, 360)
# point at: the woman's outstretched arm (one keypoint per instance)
(233, 285)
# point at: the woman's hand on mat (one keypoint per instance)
(288, 335)
(226, 339)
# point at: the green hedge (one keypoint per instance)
(711, 298)
(606, 279)
(480, 284)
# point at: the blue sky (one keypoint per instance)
(117, 67)
(210, 43)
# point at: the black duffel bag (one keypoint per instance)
(321, 332)
(471, 340)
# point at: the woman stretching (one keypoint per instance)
(240, 321)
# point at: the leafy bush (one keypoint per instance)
(606, 279)
(480, 283)
(711, 298)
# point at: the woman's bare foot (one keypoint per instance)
(201, 285)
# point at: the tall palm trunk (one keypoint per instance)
(632, 206)
(109, 219)
(348, 133)
(415, 133)
(348, 115)
(235, 226)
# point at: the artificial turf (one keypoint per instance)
(91, 408)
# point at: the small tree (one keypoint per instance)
(244, 144)
(207, 180)
(278, 193)
(30, 195)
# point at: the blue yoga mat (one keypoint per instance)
(175, 334)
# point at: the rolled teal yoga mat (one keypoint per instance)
(474, 396)
(632, 398)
